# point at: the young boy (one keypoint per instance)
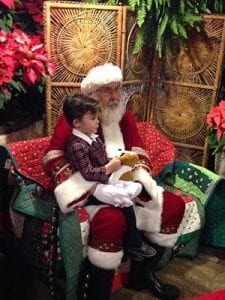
(86, 153)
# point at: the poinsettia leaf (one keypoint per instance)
(51, 68)
(4, 98)
(3, 25)
(215, 151)
(212, 138)
(9, 21)
(18, 86)
(2, 103)
(30, 76)
(221, 142)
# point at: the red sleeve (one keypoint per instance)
(55, 164)
(130, 132)
(61, 135)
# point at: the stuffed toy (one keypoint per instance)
(128, 160)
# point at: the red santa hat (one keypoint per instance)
(99, 76)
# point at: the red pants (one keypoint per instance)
(108, 227)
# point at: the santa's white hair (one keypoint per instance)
(99, 76)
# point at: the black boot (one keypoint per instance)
(159, 289)
(100, 283)
(142, 276)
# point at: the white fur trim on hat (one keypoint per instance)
(99, 76)
(105, 260)
(71, 190)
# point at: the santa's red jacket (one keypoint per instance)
(158, 212)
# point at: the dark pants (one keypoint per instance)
(133, 237)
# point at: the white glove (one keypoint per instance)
(112, 195)
(132, 188)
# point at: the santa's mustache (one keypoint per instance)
(112, 114)
(113, 103)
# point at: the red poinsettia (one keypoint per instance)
(33, 8)
(216, 122)
(32, 57)
(6, 68)
(8, 3)
(23, 60)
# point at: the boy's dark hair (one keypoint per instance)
(76, 106)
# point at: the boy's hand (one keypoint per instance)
(113, 165)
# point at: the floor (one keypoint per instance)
(204, 274)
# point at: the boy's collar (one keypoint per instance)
(88, 139)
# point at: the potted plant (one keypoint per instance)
(216, 135)
(24, 64)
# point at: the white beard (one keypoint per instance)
(110, 118)
(110, 115)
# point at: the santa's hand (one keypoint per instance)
(112, 195)
(124, 202)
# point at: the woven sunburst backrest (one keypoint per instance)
(186, 87)
(175, 95)
(80, 36)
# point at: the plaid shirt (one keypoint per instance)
(87, 156)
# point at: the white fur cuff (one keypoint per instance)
(148, 182)
(71, 190)
(162, 239)
(105, 260)
(148, 220)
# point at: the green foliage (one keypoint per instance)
(213, 141)
(217, 6)
(6, 19)
(170, 19)
(4, 99)
(141, 40)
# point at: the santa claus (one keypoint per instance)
(158, 212)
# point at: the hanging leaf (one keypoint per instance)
(182, 6)
(149, 4)
(163, 24)
(172, 18)
(159, 43)
(156, 4)
(141, 14)
(191, 19)
(174, 26)
(139, 42)
(182, 31)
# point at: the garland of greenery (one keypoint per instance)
(168, 19)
